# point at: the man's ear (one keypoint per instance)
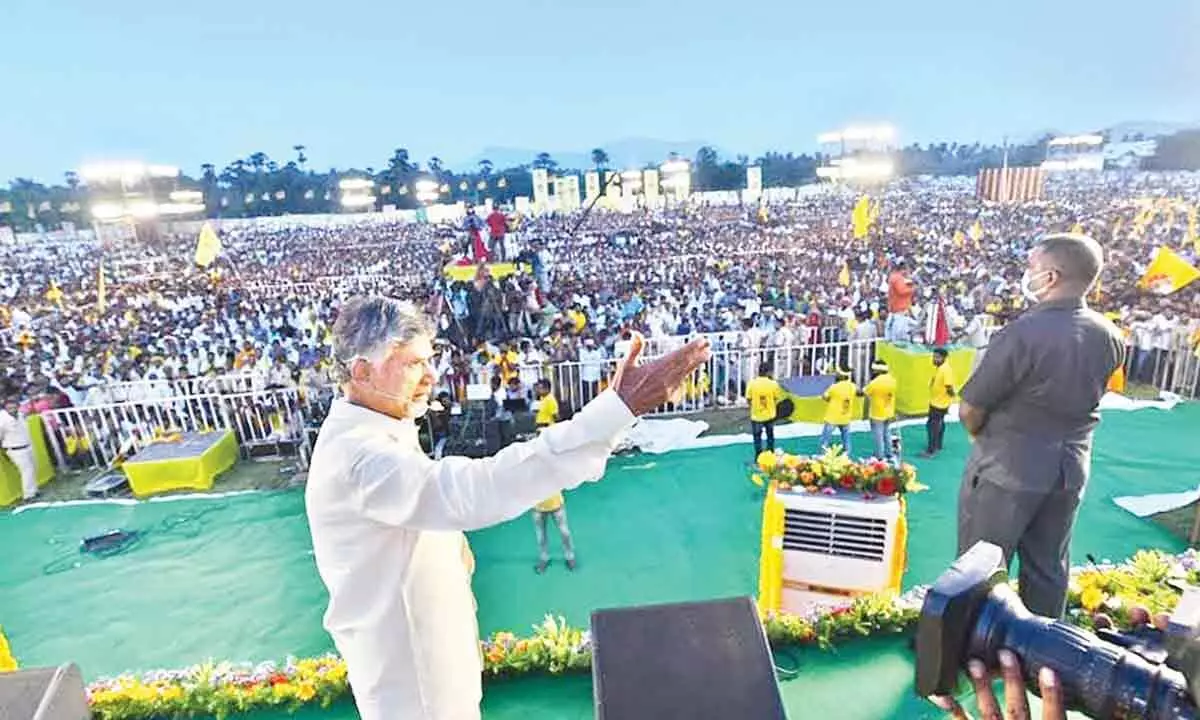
(360, 370)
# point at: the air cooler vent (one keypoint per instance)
(837, 535)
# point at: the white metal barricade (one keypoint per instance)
(95, 435)
(720, 382)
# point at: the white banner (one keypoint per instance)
(541, 189)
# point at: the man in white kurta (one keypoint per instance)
(386, 524)
(17, 444)
(387, 520)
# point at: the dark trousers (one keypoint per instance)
(759, 428)
(935, 429)
(1034, 525)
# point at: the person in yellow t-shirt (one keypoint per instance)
(881, 394)
(839, 409)
(547, 412)
(554, 506)
(941, 394)
(763, 394)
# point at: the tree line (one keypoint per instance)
(259, 185)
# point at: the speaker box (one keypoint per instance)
(43, 694)
(685, 661)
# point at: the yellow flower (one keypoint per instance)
(283, 690)
(172, 692)
(757, 479)
(506, 638)
(306, 691)
(766, 461)
(1091, 598)
(791, 461)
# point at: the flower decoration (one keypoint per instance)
(1099, 594)
(835, 472)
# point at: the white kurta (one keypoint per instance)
(387, 526)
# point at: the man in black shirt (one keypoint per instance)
(1031, 407)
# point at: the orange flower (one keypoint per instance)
(806, 477)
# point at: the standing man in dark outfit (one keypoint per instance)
(941, 396)
(1031, 408)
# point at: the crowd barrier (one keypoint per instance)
(720, 382)
(135, 412)
(1174, 369)
(94, 436)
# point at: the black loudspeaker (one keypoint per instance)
(684, 661)
(43, 694)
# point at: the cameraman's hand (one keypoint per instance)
(1016, 703)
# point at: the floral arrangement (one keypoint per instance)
(1100, 594)
(1148, 584)
(835, 472)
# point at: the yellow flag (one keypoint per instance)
(208, 246)
(55, 294)
(1145, 217)
(976, 232)
(861, 217)
(1167, 273)
(1191, 231)
(101, 289)
(7, 662)
(844, 275)
(960, 238)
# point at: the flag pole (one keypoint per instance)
(1004, 174)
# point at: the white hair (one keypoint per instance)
(367, 326)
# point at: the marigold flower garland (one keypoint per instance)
(835, 472)
(1099, 594)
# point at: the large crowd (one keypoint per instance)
(753, 276)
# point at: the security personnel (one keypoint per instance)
(839, 410)
(881, 392)
(553, 507)
(1031, 409)
(941, 395)
(763, 394)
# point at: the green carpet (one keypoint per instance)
(234, 578)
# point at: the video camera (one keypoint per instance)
(972, 612)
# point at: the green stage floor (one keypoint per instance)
(234, 578)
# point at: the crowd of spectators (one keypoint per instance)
(754, 276)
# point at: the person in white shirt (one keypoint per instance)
(591, 367)
(17, 444)
(387, 521)
(975, 335)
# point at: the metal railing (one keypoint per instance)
(720, 382)
(94, 436)
(1174, 369)
(136, 391)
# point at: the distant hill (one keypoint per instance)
(626, 153)
(1128, 131)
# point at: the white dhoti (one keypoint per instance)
(978, 358)
(23, 459)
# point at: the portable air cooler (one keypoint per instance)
(822, 551)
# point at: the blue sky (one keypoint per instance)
(210, 80)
